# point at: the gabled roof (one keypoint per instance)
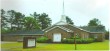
(90, 29)
(61, 27)
(26, 32)
(56, 24)
(65, 27)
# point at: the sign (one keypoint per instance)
(29, 42)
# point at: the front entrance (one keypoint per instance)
(57, 37)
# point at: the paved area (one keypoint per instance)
(2, 42)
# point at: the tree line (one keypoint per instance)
(12, 20)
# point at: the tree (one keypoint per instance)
(44, 21)
(107, 34)
(35, 15)
(3, 19)
(69, 20)
(30, 23)
(11, 14)
(15, 19)
(18, 20)
(94, 22)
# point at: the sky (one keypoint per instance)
(80, 11)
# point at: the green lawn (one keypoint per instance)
(45, 46)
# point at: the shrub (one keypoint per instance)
(74, 37)
(49, 41)
(96, 40)
(68, 41)
(42, 40)
(79, 41)
(84, 41)
(64, 41)
(89, 40)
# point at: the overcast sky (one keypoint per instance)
(80, 11)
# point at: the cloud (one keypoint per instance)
(96, 4)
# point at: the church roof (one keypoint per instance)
(90, 29)
(61, 27)
(93, 29)
(26, 32)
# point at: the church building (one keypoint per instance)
(58, 31)
(62, 30)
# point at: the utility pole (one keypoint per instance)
(75, 41)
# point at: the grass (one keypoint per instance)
(45, 46)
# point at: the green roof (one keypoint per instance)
(27, 32)
(94, 28)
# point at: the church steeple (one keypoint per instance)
(63, 17)
(63, 13)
